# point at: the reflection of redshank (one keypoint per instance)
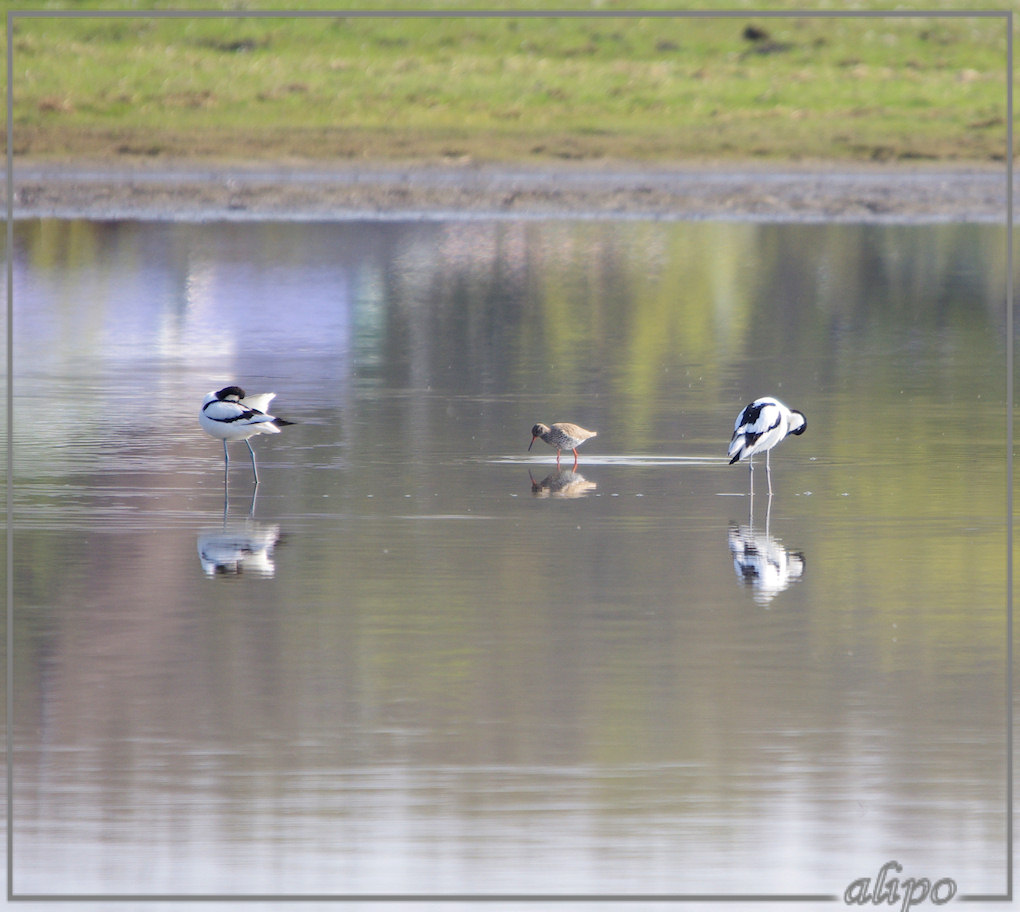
(561, 484)
(563, 435)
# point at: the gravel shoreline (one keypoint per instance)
(185, 191)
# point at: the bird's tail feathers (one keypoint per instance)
(258, 401)
(736, 448)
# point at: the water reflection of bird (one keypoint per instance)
(762, 563)
(228, 414)
(759, 427)
(563, 436)
(561, 484)
(239, 547)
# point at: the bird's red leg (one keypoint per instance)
(575, 457)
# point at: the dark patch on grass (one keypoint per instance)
(147, 151)
(985, 124)
(762, 43)
(768, 47)
(235, 46)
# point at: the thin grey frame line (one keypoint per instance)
(1010, 392)
(9, 489)
(508, 14)
(436, 898)
(494, 14)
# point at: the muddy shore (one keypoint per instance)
(187, 191)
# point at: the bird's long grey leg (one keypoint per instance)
(768, 469)
(226, 462)
(253, 468)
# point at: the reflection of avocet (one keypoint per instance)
(228, 414)
(239, 546)
(761, 562)
(561, 484)
(759, 427)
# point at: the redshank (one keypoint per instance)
(563, 435)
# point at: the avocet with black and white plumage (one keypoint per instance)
(228, 414)
(759, 427)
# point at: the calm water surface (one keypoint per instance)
(421, 661)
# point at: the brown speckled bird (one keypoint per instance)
(563, 435)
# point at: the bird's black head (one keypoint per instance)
(796, 416)
(537, 431)
(229, 392)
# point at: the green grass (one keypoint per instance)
(508, 89)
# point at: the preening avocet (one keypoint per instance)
(759, 427)
(563, 436)
(228, 414)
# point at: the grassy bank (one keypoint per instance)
(509, 89)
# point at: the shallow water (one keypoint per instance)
(420, 660)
